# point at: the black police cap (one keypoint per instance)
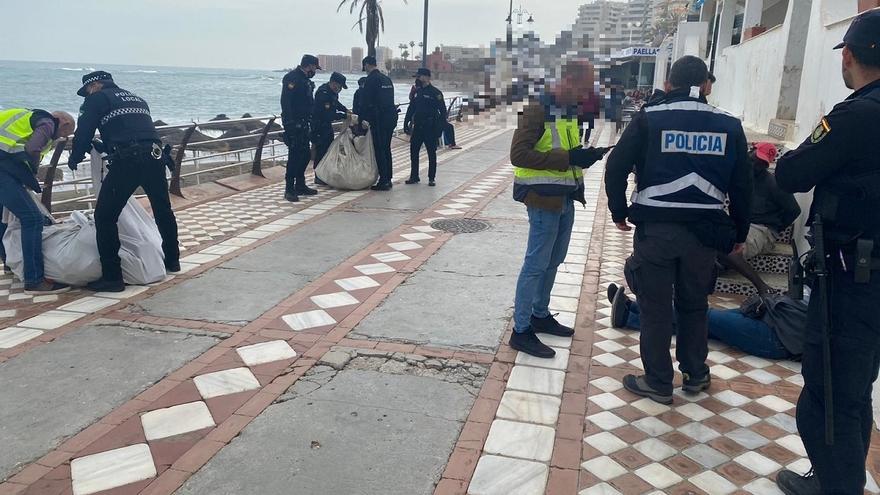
(864, 31)
(310, 60)
(338, 78)
(93, 77)
(423, 72)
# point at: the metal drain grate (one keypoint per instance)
(460, 225)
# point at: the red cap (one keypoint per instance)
(766, 152)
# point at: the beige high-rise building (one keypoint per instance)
(383, 54)
(357, 56)
(612, 25)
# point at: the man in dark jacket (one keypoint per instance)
(688, 157)
(381, 112)
(424, 122)
(297, 101)
(25, 137)
(357, 104)
(327, 110)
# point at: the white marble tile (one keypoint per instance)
(713, 484)
(270, 228)
(609, 346)
(185, 267)
(503, 476)
(265, 352)
(425, 228)
(763, 486)
(199, 258)
(794, 444)
(19, 296)
(800, 466)
(556, 341)
(88, 304)
(226, 382)
(255, 234)
(724, 372)
(740, 417)
(13, 336)
(565, 290)
(523, 440)
(607, 384)
(606, 443)
(110, 469)
(607, 401)
(449, 212)
(308, 319)
(655, 449)
(529, 408)
(695, 412)
(747, 438)
(405, 246)
(600, 489)
(732, 398)
(652, 426)
(50, 320)
(466, 201)
(563, 304)
(537, 380)
(705, 456)
(611, 334)
(558, 362)
(42, 299)
(658, 476)
(604, 468)
(607, 421)
(775, 403)
(335, 300)
(391, 257)
(756, 362)
(456, 206)
(650, 407)
(719, 357)
(608, 359)
(238, 242)
(374, 269)
(219, 250)
(569, 278)
(762, 376)
(356, 283)
(699, 432)
(758, 463)
(130, 291)
(176, 420)
(418, 236)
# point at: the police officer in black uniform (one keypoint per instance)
(357, 100)
(841, 160)
(297, 100)
(381, 112)
(136, 160)
(424, 122)
(689, 157)
(327, 110)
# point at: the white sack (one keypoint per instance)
(350, 163)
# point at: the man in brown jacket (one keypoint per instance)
(549, 160)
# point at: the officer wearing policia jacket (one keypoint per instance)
(26, 136)
(840, 159)
(297, 102)
(424, 122)
(688, 157)
(326, 110)
(549, 160)
(136, 160)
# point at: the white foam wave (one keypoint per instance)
(140, 71)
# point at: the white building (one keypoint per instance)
(357, 56)
(383, 55)
(335, 63)
(455, 53)
(610, 26)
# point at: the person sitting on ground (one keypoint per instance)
(773, 210)
(769, 326)
(449, 136)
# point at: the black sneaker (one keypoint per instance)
(411, 181)
(102, 285)
(172, 267)
(638, 386)
(529, 343)
(694, 385)
(45, 288)
(306, 191)
(319, 182)
(382, 186)
(619, 308)
(549, 325)
(431, 183)
(292, 197)
(791, 483)
(612, 289)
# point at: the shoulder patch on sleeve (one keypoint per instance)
(291, 86)
(821, 130)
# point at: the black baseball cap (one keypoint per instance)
(338, 78)
(310, 60)
(864, 31)
(93, 77)
(369, 60)
(423, 72)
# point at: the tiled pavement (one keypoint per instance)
(562, 426)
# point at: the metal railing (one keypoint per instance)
(257, 138)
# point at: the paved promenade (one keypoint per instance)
(350, 344)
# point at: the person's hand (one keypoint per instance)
(74, 161)
(738, 248)
(623, 226)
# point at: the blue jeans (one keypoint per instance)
(549, 234)
(14, 196)
(733, 328)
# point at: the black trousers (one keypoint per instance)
(382, 133)
(321, 146)
(298, 156)
(123, 178)
(668, 259)
(416, 140)
(855, 360)
(449, 134)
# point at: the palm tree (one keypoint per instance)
(371, 20)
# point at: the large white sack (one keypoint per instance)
(350, 163)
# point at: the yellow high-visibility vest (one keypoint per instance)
(16, 130)
(561, 134)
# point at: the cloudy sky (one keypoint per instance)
(246, 33)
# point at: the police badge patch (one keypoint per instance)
(820, 131)
(291, 86)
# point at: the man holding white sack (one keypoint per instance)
(25, 137)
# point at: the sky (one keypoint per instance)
(254, 34)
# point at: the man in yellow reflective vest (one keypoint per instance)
(549, 160)
(25, 137)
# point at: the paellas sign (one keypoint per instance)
(640, 51)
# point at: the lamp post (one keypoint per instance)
(630, 25)
(425, 38)
(520, 12)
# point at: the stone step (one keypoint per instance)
(733, 283)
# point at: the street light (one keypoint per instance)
(630, 26)
(520, 12)
(425, 38)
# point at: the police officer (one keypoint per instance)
(841, 161)
(688, 157)
(136, 160)
(424, 122)
(327, 110)
(357, 101)
(381, 112)
(297, 100)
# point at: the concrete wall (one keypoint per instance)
(749, 78)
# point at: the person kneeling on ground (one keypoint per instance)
(27, 136)
(773, 210)
(768, 326)
(549, 159)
